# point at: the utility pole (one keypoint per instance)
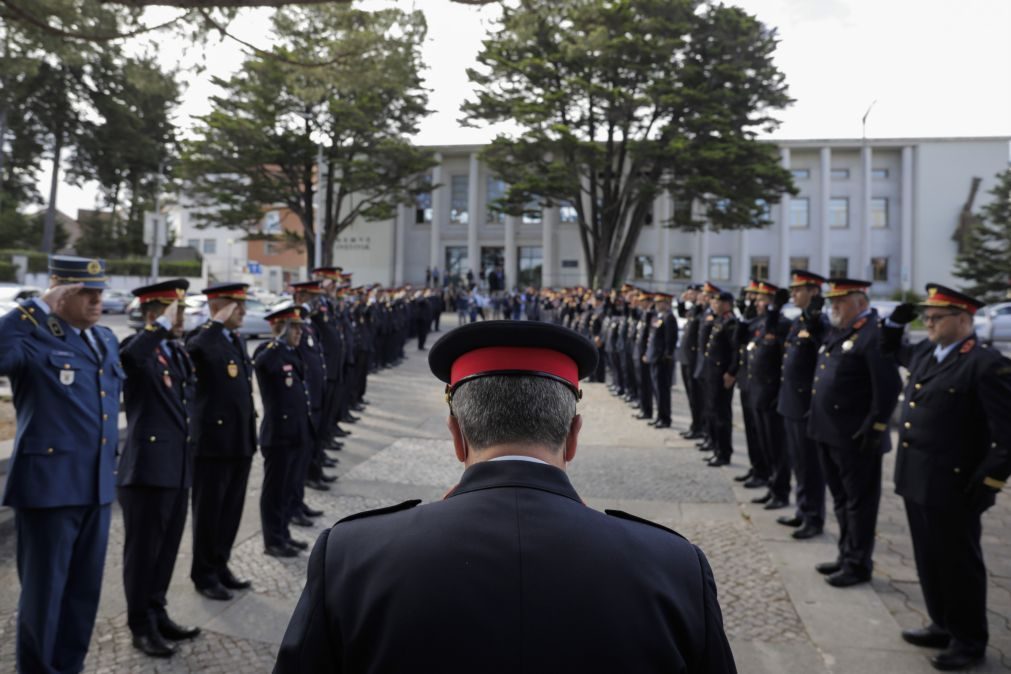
(318, 219)
(158, 227)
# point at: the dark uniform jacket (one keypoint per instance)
(663, 339)
(280, 372)
(707, 319)
(326, 324)
(956, 420)
(223, 423)
(510, 573)
(67, 403)
(764, 354)
(800, 358)
(642, 334)
(855, 387)
(720, 356)
(689, 345)
(159, 398)
(316, 372)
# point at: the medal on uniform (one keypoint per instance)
(310, 342)
(288, 381)
(67, 377)
(166, 377)
(803, 334)
(233, 370)
(847, 345)
(821, 349)
(751, 346)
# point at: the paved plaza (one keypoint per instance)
(780, 615)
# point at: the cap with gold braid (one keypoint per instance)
(311, 287)
(753, 286)
(227, 291)
(165, 292)
(708, 287)
(293, 313)
(67, 270)
(840, 287)
(803, 277)
(765, 288)
(941, 296)
(332, 273)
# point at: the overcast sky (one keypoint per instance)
(935, 68)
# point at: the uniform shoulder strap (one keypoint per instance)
(620, 514)
(406, 505)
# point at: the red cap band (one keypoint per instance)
(226, 294)
(939, 299)
(171, 295)
(493, 359)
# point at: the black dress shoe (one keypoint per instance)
(745, 477)
(328, 478)
(311, 512)
(717, 461)
(846, 578)
(806, 531)
(641, 416)
(328, 462)
(363, 401)
(229, 580)
(280, 551)
(340, 433)
(704, 448)
(357, 407)
(317, 485)
(634, 405)
(153, 645)
(350, 418)
(755, 482)
(217, 592)
(662, 424)
(788, 521)
(297, 544)
(302, 521)
(930, 636)
(695, 435)
(776, 504)
(956, 657)
(173, 631)
(827, 568)
(763, 499)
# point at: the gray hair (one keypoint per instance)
(511, 409)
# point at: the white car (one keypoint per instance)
(993, 323)
(11, 295)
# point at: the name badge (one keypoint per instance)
(821, 349)
(288, 381)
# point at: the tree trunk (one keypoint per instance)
(49, 225)
(3, 139)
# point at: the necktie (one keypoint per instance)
(89, 338)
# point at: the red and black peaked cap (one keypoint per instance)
(517, 348)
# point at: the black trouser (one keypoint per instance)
(645, 390)
(720, 400)
(617, 371)
(807, 469)
(422, 333)
(219, 492)
(949, 562)
(631, 376)
(773, 441)
(600, 374)
(153, 519)
(854, 479)
(660, 376)
(361, 375)
(690, 393)
(279, 464)
(753, 437)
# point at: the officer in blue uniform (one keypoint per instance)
(660, 348)
(156, 468)
(286, 430)
(954, 457)
(511, 572)
(854, 392)
(66, 376)
(225, 436)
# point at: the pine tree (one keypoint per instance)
(985, 262)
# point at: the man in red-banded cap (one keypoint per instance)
(511, 571)
(954, 457)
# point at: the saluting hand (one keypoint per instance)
(55, 296)
(225, 312)
(904, 313)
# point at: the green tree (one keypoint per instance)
(985, 262)
(621, 100)
(258, 147)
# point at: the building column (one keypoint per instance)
(906, 203)
(865, 210)
(400, 225)
(474, 214)
(439, 216)
(824, 195)
(700, 266)
(743, 254)
(549, 265)
(511, 268)
(782, 275)
(663, 211)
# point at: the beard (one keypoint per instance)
(835, 320)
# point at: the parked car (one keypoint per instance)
(115, 301)
(11, 295)
(884, 307)
(993, 323)
(254, 325)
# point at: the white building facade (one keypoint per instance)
(883, 210)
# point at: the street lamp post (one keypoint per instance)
(318, 219)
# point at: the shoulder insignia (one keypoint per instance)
(54, 326)
(621, 514)
(26, 315)
(406, 505)
(859, 324)
(967, 346)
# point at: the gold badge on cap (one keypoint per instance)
(94, 267)
(233, 370)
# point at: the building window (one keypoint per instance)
(760, 267)
(643, 267)
(800, 174)
(456, 264)
(193, 243)
(570, 264)
(496, 189)
(272, 222)
(800, 209)
(879, 174)
(879, 212)
(840, 174)
(210, 246)
(530, 262)
(764, 211)
(459, 186)
(423, 202)
(838, 267)
(879, 269)
(801, 263)
(719, 268)
(567, 213)
(839, 212)
(270, 248)
(533, 212)
(681, 268)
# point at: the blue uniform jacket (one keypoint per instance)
(67, 403)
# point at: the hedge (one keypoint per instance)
(8, 272)
(38, 263)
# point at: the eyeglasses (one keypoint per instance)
(937, 318)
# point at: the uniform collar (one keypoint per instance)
(524, 474)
